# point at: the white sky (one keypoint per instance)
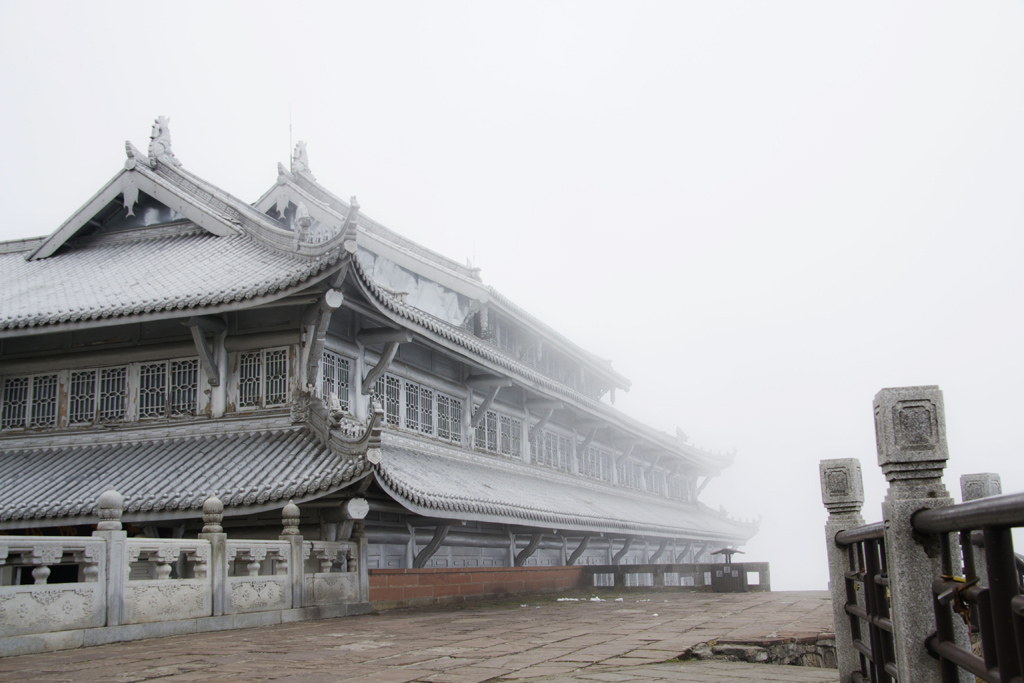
(761, 212)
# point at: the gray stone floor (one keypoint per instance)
(540, 639)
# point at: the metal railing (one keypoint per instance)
(990, 600)
(867, 576)
(934, 592)
(714, 576)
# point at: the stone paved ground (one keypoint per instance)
(541, 640)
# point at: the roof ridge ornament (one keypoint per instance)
(160, 143)
(300, 159)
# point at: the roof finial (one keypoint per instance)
(160, 143)
(300, 159)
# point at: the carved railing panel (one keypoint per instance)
(30, 603)
(168, 579)
(258, 576)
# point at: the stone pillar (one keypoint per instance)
(213, 515)
(842, 492)
(910, 432)
(108, 509)
(296, 562)
(359, 536)
(973, 487)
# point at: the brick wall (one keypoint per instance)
(391, 588)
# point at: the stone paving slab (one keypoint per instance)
(539, 640)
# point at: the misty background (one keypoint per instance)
(762, 213)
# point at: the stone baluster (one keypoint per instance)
(974, 487)
(109, 508)
(213, 515)
(296, 566)
(910, 431)
(842, 492)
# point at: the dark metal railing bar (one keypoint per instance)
(1003, 588)
(963, 659)
(996, 511)
(868, 532)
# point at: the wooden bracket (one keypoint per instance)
(628, 451)
(661, 549)
(388, 355)
(654, 463)
(315, 320)
(440, 532)
(587, 441)
(383, 335)
(530, 548)
(625, 549)
(541, 424)
(704, 483)
(488, 400)
(580, 549)
(199, 325)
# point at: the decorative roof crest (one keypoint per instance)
(160, 143)
(300, 160)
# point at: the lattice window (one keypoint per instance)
(677, 488)
(263, 378)
(631, 475)
(554, 450)
(44, 401)
(250, 379)
(412, 406)
(15, 402)
(511, 436)
(168, 388)
(597, 464)
(183, 380)
(334, 372)
(387, 393)
(82, 397)
(487, 432)
(426, 410)
(449, 418)
(506, 337)
(656, 483)
(277, 377)
(113, 394)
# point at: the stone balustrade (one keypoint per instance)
(913, 599)
(58, 592)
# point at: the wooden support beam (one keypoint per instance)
(628, 451)
(440, 532)
(544, 404)
(315, 320)
(336, 280)
(582, 449)
(482, 410)
(487, 381)
(198, 326)
(657, 555)
(530, 548)
(682, 555)
(625, 549)
(580, 549)
(541, 423)
(388, 355)
(208, 323)
(654, 463)
(383, 335)
(704, 483)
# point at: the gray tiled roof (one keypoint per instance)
(169, 475)
(708, 462)
(157, 271)
(442, 482)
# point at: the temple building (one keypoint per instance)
(174, 342)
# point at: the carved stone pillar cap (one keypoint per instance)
(910, 428)
(213, 515)
(980, 485)
(290, 519)
(108, 508)
(842, 484)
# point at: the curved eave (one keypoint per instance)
(456, 339)
(55, 480)
(239, 303)
(440, 482)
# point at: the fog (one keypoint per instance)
(762, 213)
